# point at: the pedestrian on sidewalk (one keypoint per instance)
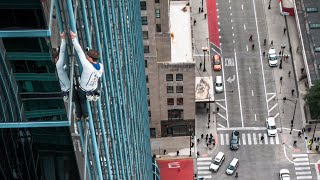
(211, 136)
(205, 16)
(299, 134)
(280, 65)
(236, 175)
(202, 136)
(207, 137)
(164, 152)
(309, 129)
(289, 76)
(199, 9)
(194, 22)
(303, 130)
(281, 79)
(250, 39)
(177, 153)
(198, 153)
(207, 110)
(252, 46)
(284, 30)
(302, 70)
(265, 42)
(205, 105)
(292, 92)
(198, 140)
(262, 138)
(314, 139)
(294, 143)
(264, 54)
(271, 43)
(287, 57)
(297, 50)
(318, 139)
(207, 144)
(200, 65)
(280, 53)
(217, 109)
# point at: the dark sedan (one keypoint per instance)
(234, 140)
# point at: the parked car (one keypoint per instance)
(218, 84)
(232, 167)
(271, 126)
(272, 57)
(234, 140)
(284, 174)
(216, 62)
(217, 161)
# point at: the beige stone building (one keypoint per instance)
(169, 66)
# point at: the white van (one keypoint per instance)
(218, 84)
(232, 166)
(217, 161)
(271, 126)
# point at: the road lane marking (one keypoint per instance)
(204, 158)
(227, 139)
(221, 106)
(225, 94)
(259, 136)
(219, 100)
(277, 139)
(221, 125)
(265, 138)
(209, 177)
(242, 128)
(252, 93)
(242, 6)
(230, 6)
(249, 139)
(300, 159)
(215, 51)
(249, 70)
(203, 163)
(244, 139)
(254, 138)
(259, 45)
(244, 27)
(303, 173)
(271, 97)
(276, 115)
(239, 92)
(302, 168)
(304, 177)
(247, 48)
(299, 155)
(271, 140)
(302, 164)
(222, 116)
(232, 27)
(203, 168)
(230, 14)
(255, 117)
(273, 107)
(221, 139)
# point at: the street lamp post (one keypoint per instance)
(190, 139)
(204, 49)
(283, 46)
(294, 111)
(202, 6)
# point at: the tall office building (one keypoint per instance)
(39, 138)
(170, 74)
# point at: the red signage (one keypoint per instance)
(176, 169)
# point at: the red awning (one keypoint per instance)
(176, 169)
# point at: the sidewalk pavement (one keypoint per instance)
(200, 39)
(276, 24)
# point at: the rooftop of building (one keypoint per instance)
(180, 29)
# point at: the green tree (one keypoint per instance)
(312, 99)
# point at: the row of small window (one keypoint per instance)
(173, 114)
(179, 77)
(179, 89)
(143, 4)
(170, 101)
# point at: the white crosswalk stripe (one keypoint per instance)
(254, 138)
(244, 139)
(221, 139)
(227, 139)
(203, 164)
(302, 166)
(251, 139)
